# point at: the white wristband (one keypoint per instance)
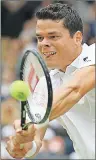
(32, 151)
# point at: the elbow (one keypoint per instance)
(76, 93)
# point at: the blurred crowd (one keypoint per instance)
(17, 35)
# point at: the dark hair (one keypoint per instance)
(58, 11)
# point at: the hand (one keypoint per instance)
(15, 151)
(23, 136)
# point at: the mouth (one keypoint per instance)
(49, 54)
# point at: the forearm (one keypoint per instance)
(82, 82)
(39, 135)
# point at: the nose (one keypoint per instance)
(45, 43)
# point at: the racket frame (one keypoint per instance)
(49, 87)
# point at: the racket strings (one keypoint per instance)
(29, 74)
(29, 113)
(26, 67)
(34, 117)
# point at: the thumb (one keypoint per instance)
(17, 125)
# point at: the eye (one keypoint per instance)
(39, 38)
(53, 37)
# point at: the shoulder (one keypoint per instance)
(89, 50)
(87, 57)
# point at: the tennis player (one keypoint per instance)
(59, 32)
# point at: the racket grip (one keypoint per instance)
(23, 114)
(32, 151)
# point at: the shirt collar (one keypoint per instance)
(76, 63)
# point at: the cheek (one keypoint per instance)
(60, 46)
(39, 47)
(65, 45)
(61, 43)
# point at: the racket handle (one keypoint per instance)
(23, 114)
(32, 151)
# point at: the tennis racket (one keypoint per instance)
(33, 70)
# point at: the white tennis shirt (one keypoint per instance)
(79, 121)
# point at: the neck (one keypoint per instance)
(76, 54)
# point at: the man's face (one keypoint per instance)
(55, 43)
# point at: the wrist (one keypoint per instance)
(32, 151)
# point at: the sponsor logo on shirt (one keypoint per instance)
(86, 59)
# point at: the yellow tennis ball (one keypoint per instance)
(19, 90)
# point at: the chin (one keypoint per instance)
(52, 66)
(49, 65)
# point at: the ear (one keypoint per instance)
(78, 37)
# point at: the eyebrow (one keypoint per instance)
(50, 33)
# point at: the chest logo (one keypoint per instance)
(86, 59)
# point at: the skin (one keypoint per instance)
(82, 81)
(55, 37)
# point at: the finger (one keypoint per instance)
(10, 145)
(17, 125)
(14, 148)
(10, 152)
(10, 137)
(19, 130)
(24, 140)
(16, 153)
(9, 149)
(31, 129)
(24, 133)
(24, 136)
(15, 140)
(18, 139)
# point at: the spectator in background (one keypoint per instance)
(9, 112)
(91, 37)
(87, 11)
(11, 49)
(91, 34)
(14, 14)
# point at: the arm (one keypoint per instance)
(39, 138)
(82, 82)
